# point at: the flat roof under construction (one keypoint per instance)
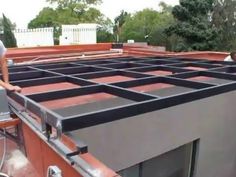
(76, 95)
(67, 92)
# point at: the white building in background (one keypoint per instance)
(71, 34)
(34, 37)
(79, 34)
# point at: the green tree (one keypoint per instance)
(78, 9)
(67, 3)
(165, 8)
(12, 25)
(8, 36)
(151, 24)
(47, 17)
(224, 19)
(193, 25)
(104, 36)
(70, 12)
(119, 22)
(105, 33)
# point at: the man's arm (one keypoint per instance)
(5, 76)
(4, 67)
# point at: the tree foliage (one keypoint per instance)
(12, 25)
(77, 11)
(149, 25)
(69, 12)
(74, 3)
(104, 36)
(104, 33)
(47, 17)
(119, 22)
(224, 19)
(193, 25)
(9, 39)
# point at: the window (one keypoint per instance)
(175, 163)
(131, 172)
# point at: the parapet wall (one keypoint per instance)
(26, 54)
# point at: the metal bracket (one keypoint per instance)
(73, 153)
(47, 129)
(54, 171)
(43, 119)
(59, 129)
(25, 106)
(82, 148)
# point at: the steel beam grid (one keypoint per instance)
(80, 73)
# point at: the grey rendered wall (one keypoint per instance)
(4, 109)
(124, 143)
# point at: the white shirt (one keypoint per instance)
(228, 58)
(3, 49)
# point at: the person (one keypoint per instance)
(231, 57)
(4, 68)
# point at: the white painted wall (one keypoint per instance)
(71, 34)
(34, 37)
(79, 34)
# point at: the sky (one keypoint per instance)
(22, 11)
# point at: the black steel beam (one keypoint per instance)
(31, 107)
(213, 74)
(98, 62)
(219, 75)
(124, 93)
(123, 65)
(20, 69)
(111, 73)
(29, 75)
(164, 80)
(78, 72)
(60, 94)
(159, 62)
(98, 74)
(160, 68)
(195, 64)
(195, 60)
(225, 69)
(55, 66)
(39, 81)
(128, 94)
(216, 62)
(105, 116)
(187, 74)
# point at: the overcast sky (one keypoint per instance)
(22, 11)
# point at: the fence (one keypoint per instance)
(34, 37)
(71, 34)
(79, 34)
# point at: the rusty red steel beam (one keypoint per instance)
(26, 54)
(9, 123)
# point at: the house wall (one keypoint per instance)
(124, 143)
